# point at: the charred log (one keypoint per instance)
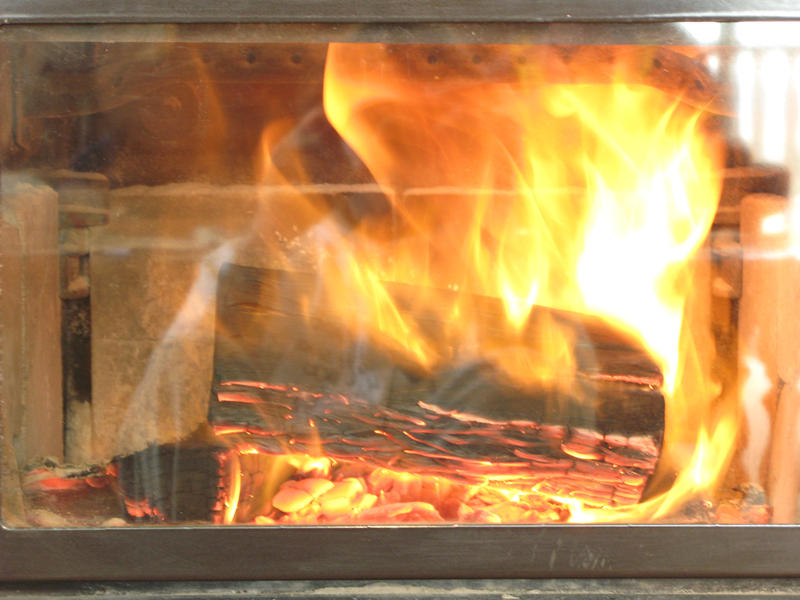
(174, 482)
(602, 470)
(270, 330)
(291, 377)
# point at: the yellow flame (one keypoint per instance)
(577, 512)
(234, 488)
(543, 186)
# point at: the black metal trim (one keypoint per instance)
(394, 552)
(399, 552)
(388, 11)
(425, 33)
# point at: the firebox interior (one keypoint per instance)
(308, 277)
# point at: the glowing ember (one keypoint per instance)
(355, 494)
(523, 462)
(351, 493)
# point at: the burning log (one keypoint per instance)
(177, 482)
(601, 470)
(273, 327)
(289, 378)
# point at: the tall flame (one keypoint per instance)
(538, 182)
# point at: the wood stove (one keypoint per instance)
(308, 291)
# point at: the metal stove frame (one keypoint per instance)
(396, 552)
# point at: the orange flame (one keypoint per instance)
(537, 182)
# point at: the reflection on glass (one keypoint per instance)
(311, 283)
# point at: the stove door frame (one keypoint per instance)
(399, 552)
(390, 11)
(374, 552)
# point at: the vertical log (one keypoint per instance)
(11, 330)
(784, 470)
(33, 209)
(11, 370)
(783, 481)
(769, 330)
(153, 290)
